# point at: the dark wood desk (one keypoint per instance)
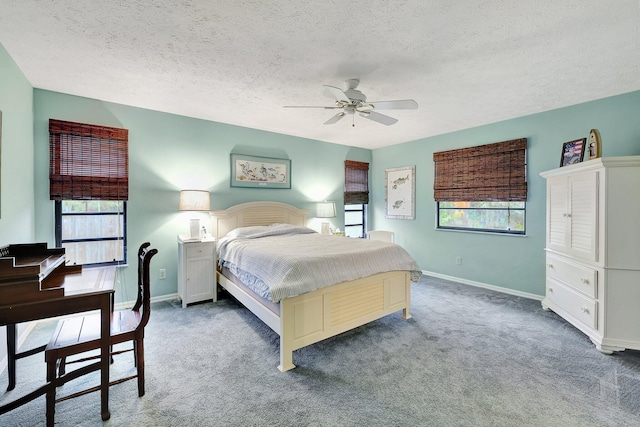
(66, 292)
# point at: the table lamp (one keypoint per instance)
(326, 210)
(194, 200)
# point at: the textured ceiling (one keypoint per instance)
(466, 63)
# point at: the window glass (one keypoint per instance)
(353, 217)
(91, 231)
(499, 217)
(94, 252)
(354, 220)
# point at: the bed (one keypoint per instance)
(312, 316)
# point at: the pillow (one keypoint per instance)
(267, 230)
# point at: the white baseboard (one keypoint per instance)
(484, 285)
(129, 304)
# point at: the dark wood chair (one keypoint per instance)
(78, 335)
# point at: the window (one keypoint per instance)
(356, 197)
(499, 217)
(355, 220)
(89, 182)
(91, 231)
(482, 188)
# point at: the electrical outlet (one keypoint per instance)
(458, 260)
(162, 274)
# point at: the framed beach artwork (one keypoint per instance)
(260, 172)
(400, 190)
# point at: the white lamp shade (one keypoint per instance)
(195, 200)
(326, 210)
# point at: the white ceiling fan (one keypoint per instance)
(352, 100)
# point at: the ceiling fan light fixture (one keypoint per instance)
(352, 100)
(355, 96)
(352, 83)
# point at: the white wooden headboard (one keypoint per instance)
(256, 213)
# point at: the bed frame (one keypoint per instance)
(320, 314)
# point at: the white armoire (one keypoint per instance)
(593, 249)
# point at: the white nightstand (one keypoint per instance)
(196, 269)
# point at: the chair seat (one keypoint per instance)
(74, 334)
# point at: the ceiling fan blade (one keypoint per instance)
(377, 117)
(403, 104)
(337, 93)
(312, 106)
(335, 118)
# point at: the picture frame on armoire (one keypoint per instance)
(572, 152)
(594, 144)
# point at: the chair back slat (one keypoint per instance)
(141, 250)
(143, 300)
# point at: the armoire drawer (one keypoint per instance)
(197, 250)
(583, 279)
(578, 306)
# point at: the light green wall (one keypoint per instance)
(16, 163)
(505, 261)
(168, 153)
(16, 155)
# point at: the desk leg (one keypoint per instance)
(12, 345)
(105, 355)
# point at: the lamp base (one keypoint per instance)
(326, 228)
(194, 229)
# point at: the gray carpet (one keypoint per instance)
(468, 357)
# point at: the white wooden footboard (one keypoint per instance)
(326, 312)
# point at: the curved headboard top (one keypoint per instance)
(256, 213)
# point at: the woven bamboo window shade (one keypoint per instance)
(88, 162)
(492, 172)
(356, 182)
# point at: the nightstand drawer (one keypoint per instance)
(582, 279)
(578, 306)
(196, 250)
